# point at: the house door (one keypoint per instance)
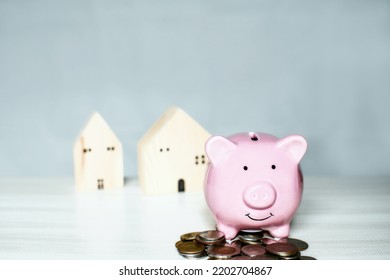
(181, 186)
(100, 184)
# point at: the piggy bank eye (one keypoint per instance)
(245, 167)
(273, 166)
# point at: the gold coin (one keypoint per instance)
(293, 257)
(282, 249)
(189, 236)
(190, 248)
(178, 243)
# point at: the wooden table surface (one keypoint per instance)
(45, 218)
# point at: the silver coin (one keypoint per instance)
(253, 250)
(247, 242)
(250, 236)
(207, 242)
(252, 231)
(194, 256)
(211, 235)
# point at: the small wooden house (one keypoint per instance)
(171, 155)
(98, 157)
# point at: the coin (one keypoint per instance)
(253, 250)
(211, 235)
(194, 256)
(250, 236)
(190, 248)
(293, 257)
(178, 243)
(268, 241)
(247, 242)
(301, 245)
(205, 242)
(282, 249)
(213, 244)
(236, 244)
(189, 236)
(240, 258)
(306, 258)
(265, 257)
(222, 251)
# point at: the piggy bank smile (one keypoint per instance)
(259, 220)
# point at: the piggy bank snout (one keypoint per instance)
(260, 196)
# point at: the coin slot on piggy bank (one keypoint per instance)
(243, 188)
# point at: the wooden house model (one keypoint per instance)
(98, 157)
(171, 155)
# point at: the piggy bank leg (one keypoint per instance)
(229, 232)
(280, 232)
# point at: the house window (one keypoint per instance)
(200, 159)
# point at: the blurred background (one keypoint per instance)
(316, 68)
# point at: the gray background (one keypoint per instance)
(317, 68)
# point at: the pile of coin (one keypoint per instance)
(246, 246)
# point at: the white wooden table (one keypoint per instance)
(340, 218)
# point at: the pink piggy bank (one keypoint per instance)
(254, 182)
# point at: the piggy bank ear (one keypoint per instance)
(296, 145)
(218, 148)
